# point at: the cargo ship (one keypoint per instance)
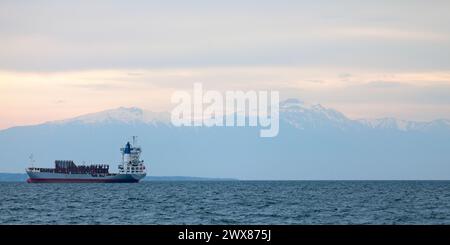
(130, 170)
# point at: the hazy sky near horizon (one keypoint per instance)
(368, 59)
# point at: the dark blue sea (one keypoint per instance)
(228, 202)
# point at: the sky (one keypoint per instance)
(367, 59)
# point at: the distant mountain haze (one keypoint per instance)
(314, 142)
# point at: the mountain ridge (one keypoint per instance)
(314, 142)
(293, 111)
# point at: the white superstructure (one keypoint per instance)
(131, 162)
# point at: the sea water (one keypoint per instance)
(227, 202)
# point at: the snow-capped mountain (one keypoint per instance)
(304, 116)
(293, 112)
(390, 123)
(131, 115)
(314, 142)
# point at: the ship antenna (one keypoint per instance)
(31, 157)
(134, 140)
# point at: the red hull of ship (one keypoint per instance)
(82, 180)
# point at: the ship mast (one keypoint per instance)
(31, 157)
